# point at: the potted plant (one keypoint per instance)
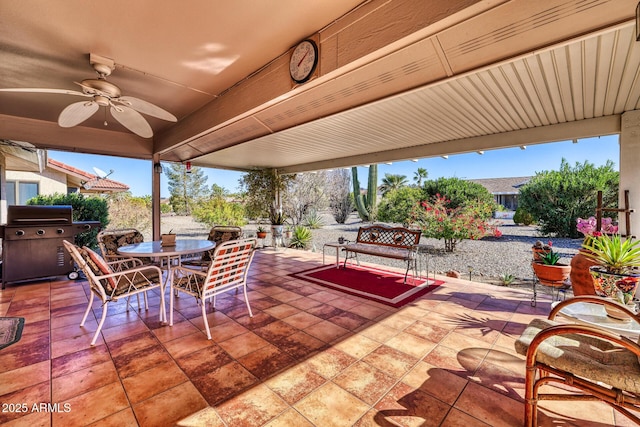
(539, 249)
(581, 280)
(550, 271)
(261, 232)
(616, 274)
(277, 225)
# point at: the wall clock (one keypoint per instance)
(304, 61)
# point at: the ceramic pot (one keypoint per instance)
(581, 279)
(620, 287)
(261, 234)
(551, 275)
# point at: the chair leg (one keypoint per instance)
(163, 308)
(246, 299)
(86, 313)
(530, 401)
(204, 317)
(104, 316)
(171, 297)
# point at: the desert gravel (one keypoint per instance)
(484, 260)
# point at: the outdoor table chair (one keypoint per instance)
(227, 270)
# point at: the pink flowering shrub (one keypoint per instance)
(437, 220)
(588, 226)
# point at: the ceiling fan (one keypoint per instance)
(125, 109)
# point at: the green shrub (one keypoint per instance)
(556, 199)
(217, 211)
(438, 220)
(90, 208)
(397, 204)
(458, 191)
(126, 211)
(523, 217)
(301, 237)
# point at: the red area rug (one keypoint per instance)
(371, 283)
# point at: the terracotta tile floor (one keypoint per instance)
(310, 356)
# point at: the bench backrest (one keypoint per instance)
(397, 237)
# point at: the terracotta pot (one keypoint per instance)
(551, 275)
(261, 234)
(581, 279)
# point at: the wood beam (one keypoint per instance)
(48, 135)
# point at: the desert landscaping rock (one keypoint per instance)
(484, 260)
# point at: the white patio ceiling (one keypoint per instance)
(398, 79)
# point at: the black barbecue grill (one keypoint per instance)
(32, 245)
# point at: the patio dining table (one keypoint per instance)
(170, 255)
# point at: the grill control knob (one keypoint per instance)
(60, 230)
(40, 232)
(19, 232)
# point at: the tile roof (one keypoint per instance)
(91, 182)
(509, 185)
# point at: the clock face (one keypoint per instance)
(304, 60)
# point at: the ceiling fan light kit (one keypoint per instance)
(126, 110)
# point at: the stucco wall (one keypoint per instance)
(50, 181)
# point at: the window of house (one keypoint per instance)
(18, 192)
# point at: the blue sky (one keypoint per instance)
(492, 164)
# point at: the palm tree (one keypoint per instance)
(392, 182)
(419, 175)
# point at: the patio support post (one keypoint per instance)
(630, 164)
(155, 197)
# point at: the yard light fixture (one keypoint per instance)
(523, 147)
(445, 157)
(157, 168)
(480, 152)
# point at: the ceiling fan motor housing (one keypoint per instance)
(101, 87)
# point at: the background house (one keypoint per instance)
(29, 172)
(504, 190)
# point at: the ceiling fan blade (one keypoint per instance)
(77, 113)
(132, 120)
(44, 90)
(146, 108)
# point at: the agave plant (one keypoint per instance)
(615, 254)
(301, 238)
(550, 258)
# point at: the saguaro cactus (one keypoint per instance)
(366, 203)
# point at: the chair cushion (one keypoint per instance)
(219, 235)
(113, 241)
(98, 267)
(585, 356)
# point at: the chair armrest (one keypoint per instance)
(140, 269)
(186, 270)
(132, 262)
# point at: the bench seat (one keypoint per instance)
(389, 242)
(383, 251)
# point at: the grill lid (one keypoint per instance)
(25, 215)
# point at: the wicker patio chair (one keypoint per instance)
(110, 285)
(227, 271)
(110, 240)
(218, 234)
(595, 363)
